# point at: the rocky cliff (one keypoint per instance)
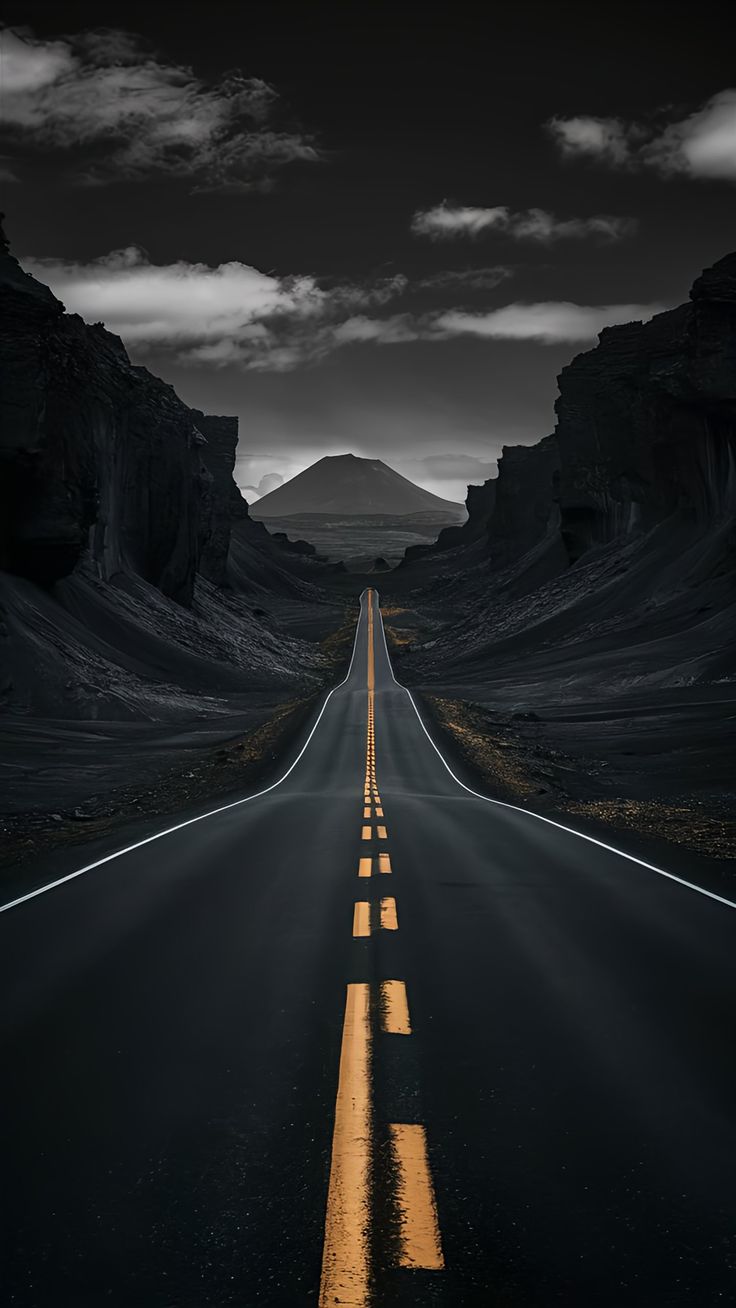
(646, 421)
(525, 504)
(98, 456)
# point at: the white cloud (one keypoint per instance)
(105, 92)
(466, 279)
(231, 315)
(602, 138)
(703, 144)
(448, 222)
(236, 316)
(549, 323)
(178, 303)
(383, 331)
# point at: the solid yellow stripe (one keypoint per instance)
(345, 1254)
(395, 1008)
(419, 1233)
(389, 920)
(362, 918)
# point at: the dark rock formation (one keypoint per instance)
(222, 502)
(293, 546)
(99, 456)
(647, 420)
(479, 503)
(525, 508)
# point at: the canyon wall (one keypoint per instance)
(646, 421)
(98, 456)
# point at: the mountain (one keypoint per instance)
(347, 484)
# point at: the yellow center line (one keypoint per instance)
(346, 1255)
(384, 863)
(367, 813)
(367, 833)
(395, 1008)
(362, 918)
(365, 867)
(389, 920)
(379, 812)
(419, 1232)
(382, 833)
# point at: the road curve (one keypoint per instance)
(368, 1038)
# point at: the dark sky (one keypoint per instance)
(359, 331)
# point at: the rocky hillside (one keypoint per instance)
(589, 619)
(120, 593)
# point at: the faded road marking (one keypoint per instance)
(346, 1253)
(420, 1244)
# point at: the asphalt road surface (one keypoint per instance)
(369, 1039)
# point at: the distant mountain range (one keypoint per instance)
(348, 485)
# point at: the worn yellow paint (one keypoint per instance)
(384, 863)
(362, 918)
(419, 1232)
(346, 1249)
(365, 867)
(395, 1008)
(389, 920)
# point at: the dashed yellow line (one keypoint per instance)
(419, 1232)
(362, 918)
(395, 1008)
(346, 1251)
(389, 919)
(346, 1261)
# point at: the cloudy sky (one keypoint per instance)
(379, 228)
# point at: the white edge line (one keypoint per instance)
(158, 835)
(582, 835)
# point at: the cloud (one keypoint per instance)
(550, 323)
(140, 115)
(601, 138)
(456, 467)
(466, 279)
(271, 481)
(230, 315)
(701, 145)
(177, 303)
(233, 315)
(448, 222)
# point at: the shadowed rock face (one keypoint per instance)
(645, 434)
(98, 454)
(647, 420)
(525, 505)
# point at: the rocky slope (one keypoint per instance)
(602, 597)
(134, 587)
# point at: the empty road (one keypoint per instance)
(369, 1039)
